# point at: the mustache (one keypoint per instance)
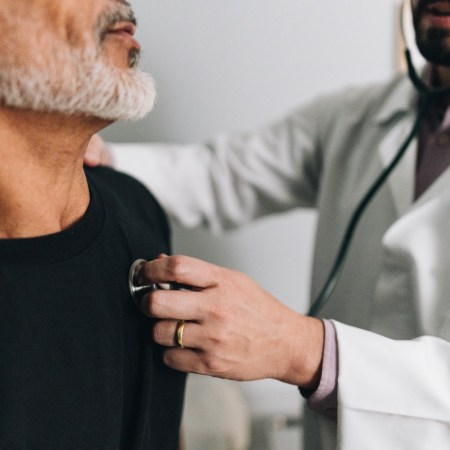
(120, 12)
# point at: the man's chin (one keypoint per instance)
(77, 82)
(129, 95)
(105, 94)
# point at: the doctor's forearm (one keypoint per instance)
(231, 179)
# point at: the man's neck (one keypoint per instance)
(43, 189)
(442, 76)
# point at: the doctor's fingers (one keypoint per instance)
(97, 153)
(193, 361)
(161, 304)
(181, 269)
(186, 360)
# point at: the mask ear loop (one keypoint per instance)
(406, 9)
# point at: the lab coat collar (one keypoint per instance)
(395, 118)
(402, 100)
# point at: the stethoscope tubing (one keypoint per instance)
(428, 94)
(325, 294)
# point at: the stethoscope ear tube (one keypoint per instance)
(324, 296)
(428, 94)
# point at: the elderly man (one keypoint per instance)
(78, 368)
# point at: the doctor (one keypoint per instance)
(377, 371)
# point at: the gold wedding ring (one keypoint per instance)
(179, 333)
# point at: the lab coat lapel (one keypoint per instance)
(396, 119)
(401, 181)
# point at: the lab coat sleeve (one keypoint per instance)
(392, 394)
(234, 178)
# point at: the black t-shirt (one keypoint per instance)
(78, 368)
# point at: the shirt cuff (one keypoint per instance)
(324, 399)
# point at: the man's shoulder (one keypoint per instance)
(112, 182)
(123, 194)
(107, 178)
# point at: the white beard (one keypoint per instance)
(71, 81)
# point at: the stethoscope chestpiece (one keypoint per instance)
(137, 290)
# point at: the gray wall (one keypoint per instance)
(236, 64)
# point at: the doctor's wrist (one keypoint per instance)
(307, 344)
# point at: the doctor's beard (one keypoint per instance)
(432, 41)
(75, 81)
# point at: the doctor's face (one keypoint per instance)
(72, 57)
(432, 25)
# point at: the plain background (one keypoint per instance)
(232, 65)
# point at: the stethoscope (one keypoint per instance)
(138, 290)
(427, 94)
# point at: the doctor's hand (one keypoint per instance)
(97, 153)
(234, 329)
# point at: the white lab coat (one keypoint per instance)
(391, 309)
